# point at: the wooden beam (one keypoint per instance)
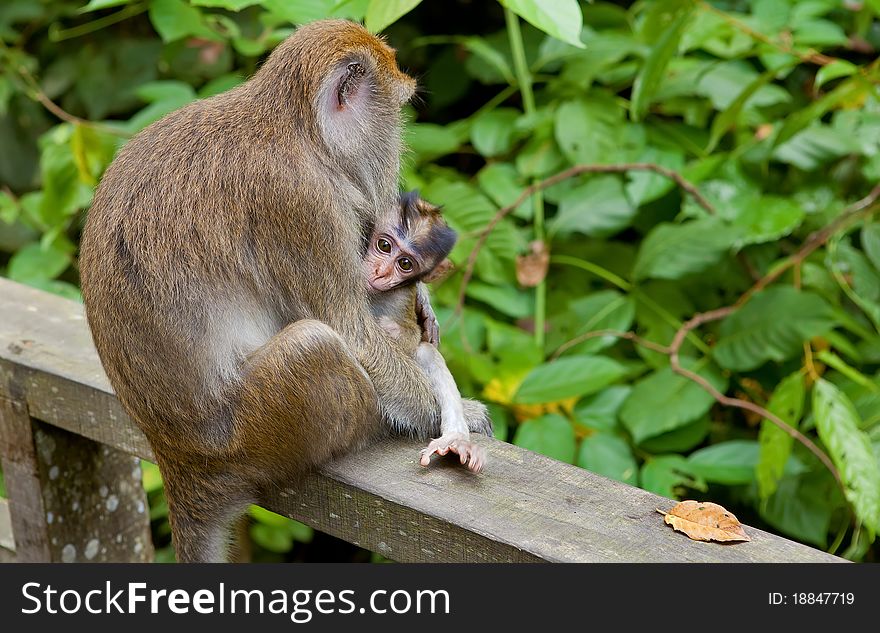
(524, 507)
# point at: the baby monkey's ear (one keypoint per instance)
(441, 271)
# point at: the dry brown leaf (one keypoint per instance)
(705, 521)
(531, 269)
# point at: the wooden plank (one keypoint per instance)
(72, 499)
(7, 542)
(21, 476)
(524, 507)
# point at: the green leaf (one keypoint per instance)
(550, 435)
(493, 133)
(603, 310)
(728, 118)
(383, 13)
(597, 207)
(800, 508)
(599, 411)
(671, 251)
(663, 474)
(430, 141)
(837, 422)
(787, 403)
(848, 91)
(95, 5)
(510, 300)
(174, 19)
(300, 11)
(835, 70)
(34, 262)
(871, 243)
(230, 5)
(664, 400)
(560, 18)
(773, 325)
(568, 378)
(9, 208)
(730, 463)
(653, 70)
(678, 440)
(610, 456)
(768, 219)
(588, 130)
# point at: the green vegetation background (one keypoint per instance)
(766, 116)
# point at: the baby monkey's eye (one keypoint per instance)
(383, 245)
(405, 264)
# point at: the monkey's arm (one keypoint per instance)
(454, 433)
(426, 317)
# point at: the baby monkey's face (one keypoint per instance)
(410, 247)
(390, 262)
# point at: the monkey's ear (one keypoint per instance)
(441, 271)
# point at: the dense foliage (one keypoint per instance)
(661, 315)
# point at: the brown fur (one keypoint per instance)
(222, 280)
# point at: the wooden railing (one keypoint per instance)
(70, 462)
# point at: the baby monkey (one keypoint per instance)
(411, 246)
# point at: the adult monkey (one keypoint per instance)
(221, 273)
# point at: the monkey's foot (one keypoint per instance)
(469, 454)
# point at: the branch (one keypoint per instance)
(674, 362)
(571, 172)
(813, 242)
(630, 336)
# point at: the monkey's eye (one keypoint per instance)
(405, 264)
(383, 245)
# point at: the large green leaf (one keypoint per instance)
(651, 74)
(773, 325)
(597, 207)
(560, 18)
(664, 474)
(609, 455)
(787, 403)
(493, 133)
(568, 378)
(727, 463)
(382, 13)
(34, 262)
(174, 19)
(671, 251)
(603, 310)
(588, 130)
(768, 219)
(664, 401)
(837, 422)
(550, 435)
(599, 411)
(800, 508)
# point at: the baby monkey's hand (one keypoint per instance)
(471, 455)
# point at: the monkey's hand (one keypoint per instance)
(469, 454)
(427, 318)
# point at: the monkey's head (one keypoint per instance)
(340, 82)
(412, 246)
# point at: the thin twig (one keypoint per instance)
(814, 241)
(674, 362)
(630, 336)
(571, 172)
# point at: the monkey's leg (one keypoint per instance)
(204, 500)
(303, 398)
(454, 432)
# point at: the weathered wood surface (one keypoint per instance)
(7, 542)
(524, 507)
(73, 499)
